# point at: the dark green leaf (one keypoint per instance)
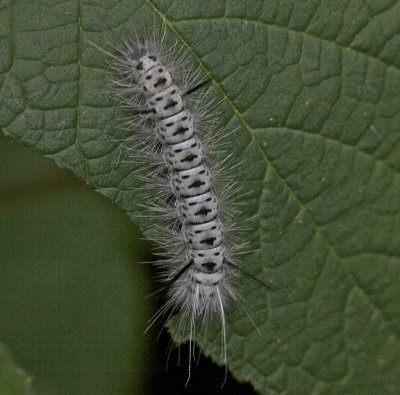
(313, 88)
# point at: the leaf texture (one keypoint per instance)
(312, 92)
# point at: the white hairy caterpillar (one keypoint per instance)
(174, 132)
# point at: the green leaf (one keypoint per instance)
(313, 89)
(13, 380)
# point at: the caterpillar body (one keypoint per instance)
(169, 114)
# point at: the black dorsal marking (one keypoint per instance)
(203, 211)
(161, 81)
(189, 158)
(180, 130)
(209, 241)
(196, 184)
(172, 103)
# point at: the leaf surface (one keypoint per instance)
(312, 92)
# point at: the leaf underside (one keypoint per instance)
(312, 90)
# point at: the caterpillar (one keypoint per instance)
(175, 134)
